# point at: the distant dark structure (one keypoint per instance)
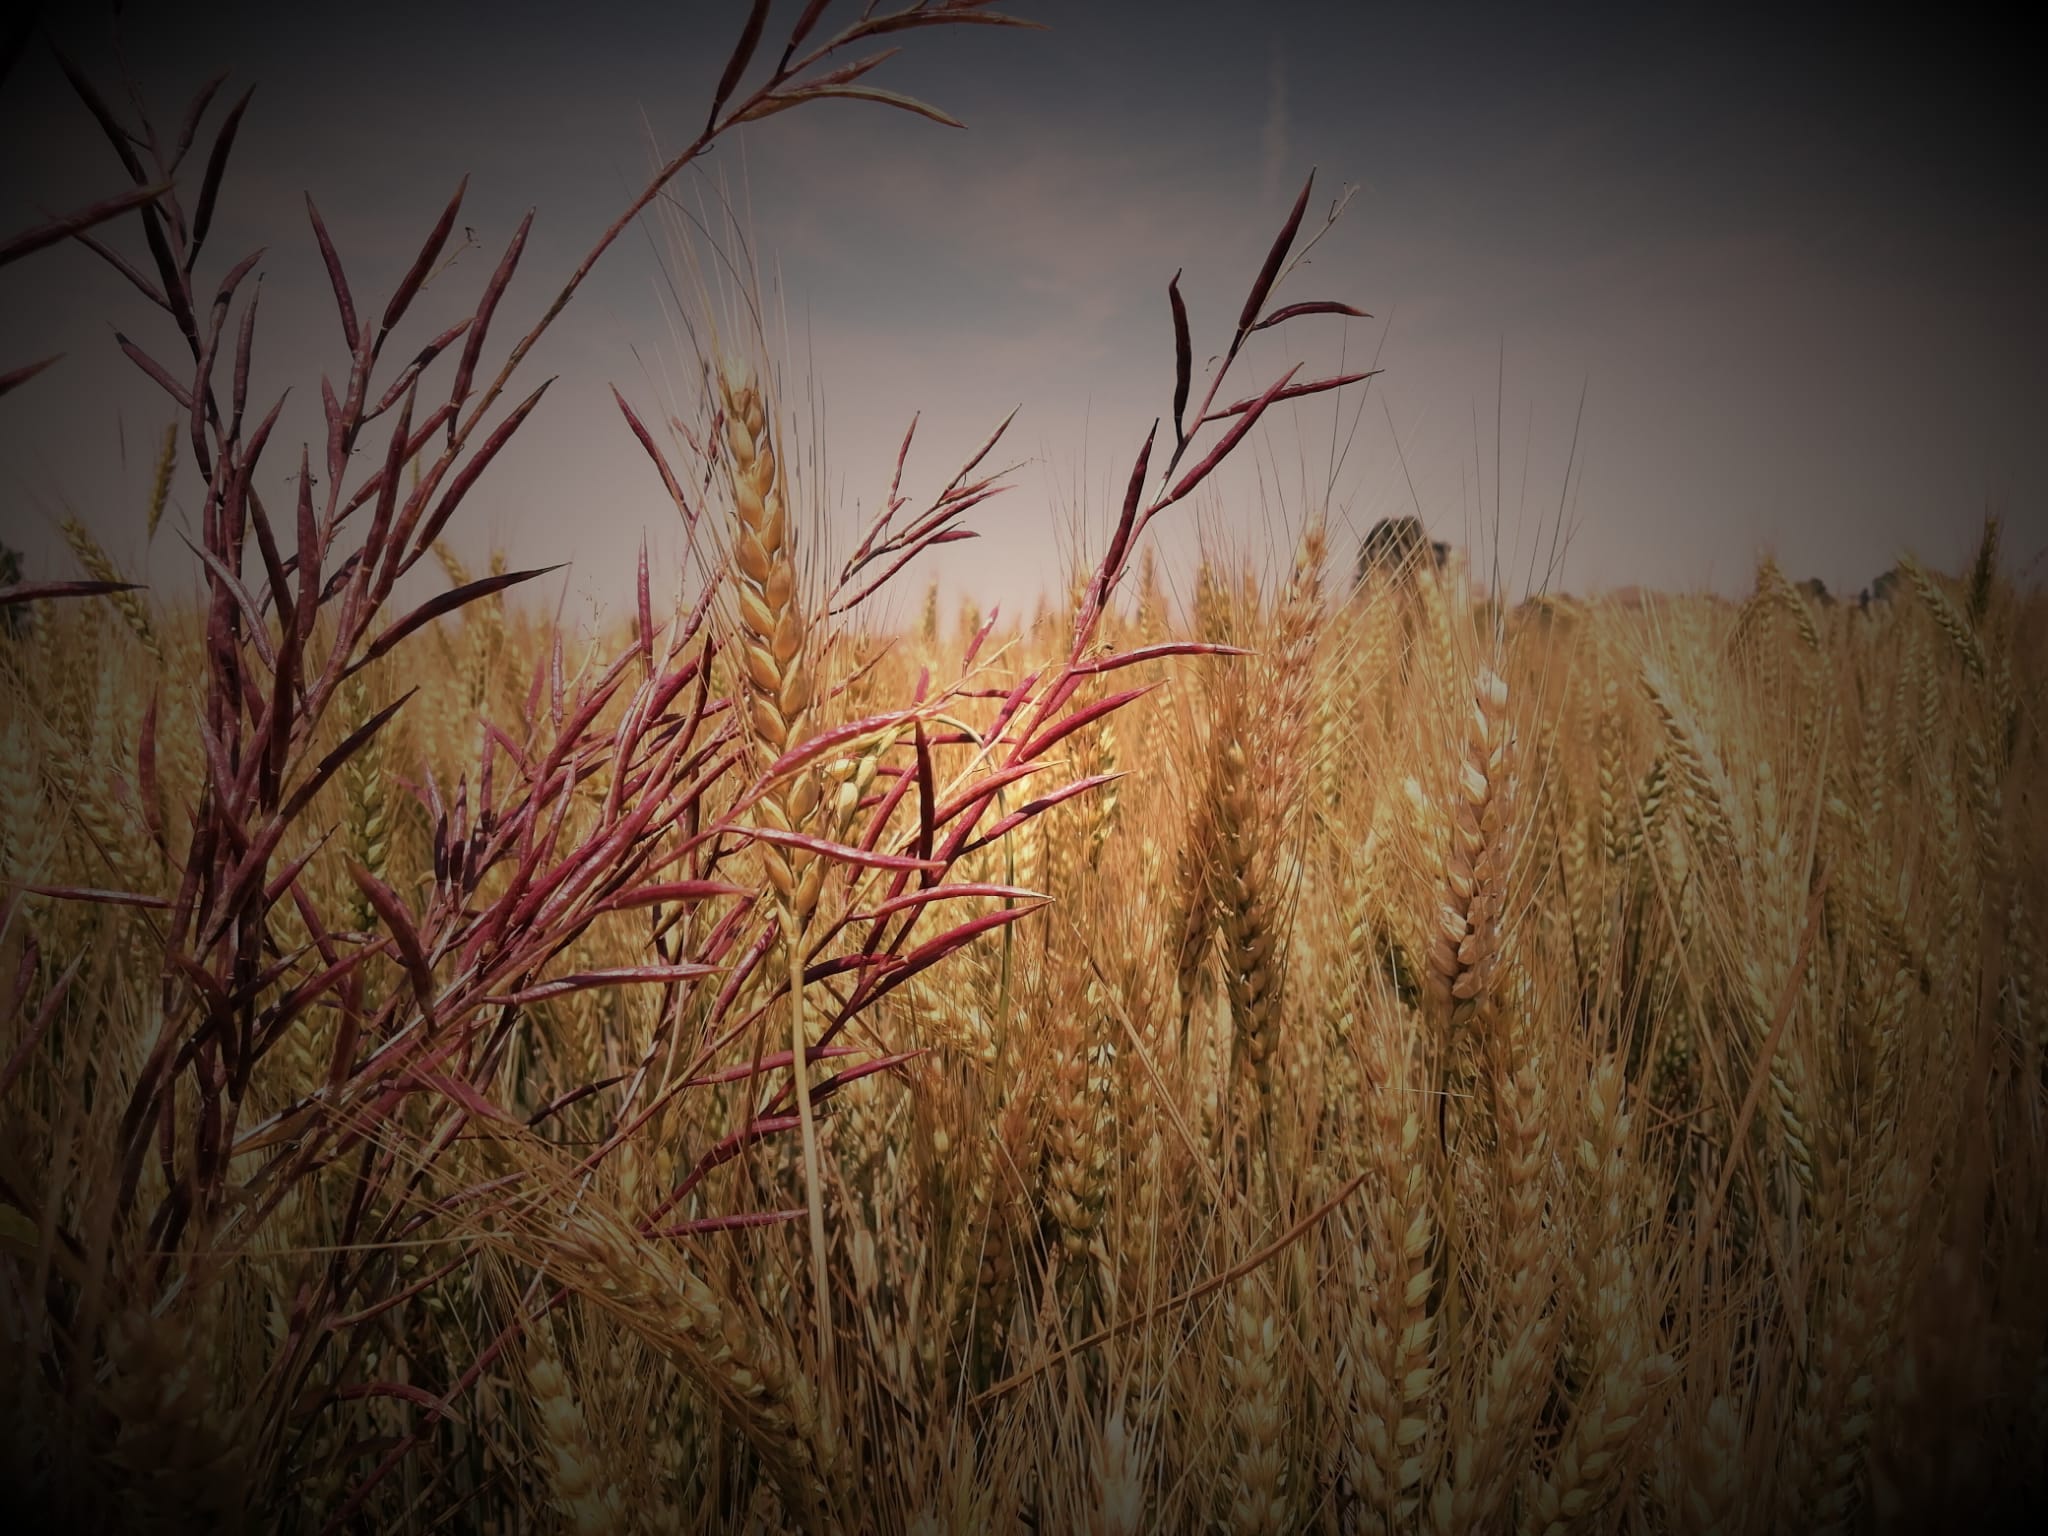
(1880, 590)
(1546, 613)
(1816, 589)
(1391, 559)
(1393, 545)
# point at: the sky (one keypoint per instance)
(1655, 290)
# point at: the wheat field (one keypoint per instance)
(1343, 1053)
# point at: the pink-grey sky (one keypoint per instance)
(1794, 268)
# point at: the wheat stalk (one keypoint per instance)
(772, 649)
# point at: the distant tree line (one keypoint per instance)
(1395, 546)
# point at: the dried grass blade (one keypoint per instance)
(501, 279)
(118, 136)
(840, 1080)
(1311, 307)
(742, 55)
(98, 897)
(1037, 807)
(1159, 652)
(934, 950)
(342, 299)
(1127, 525)
(1183, 359)
(403, 933)
(467, 477)
(343, 751)
(419, 1397)
(926, 797)
(668, 480)
(842, 852)
(421, 361)
(1232, 438)
(14, 379)
(779, 1061)
(256, 630)
(1292, 392)
(1037, 745)
(416, 275)
(216, 167)
(782, 101)
(985, 789)
(1262, 285)
(673, 890)
(918, 16)
(189, 130)
(40, 591)
(29, 241)
(947, 893)
(155, 370)
(980, 453)
(847, 73)
(804, 23)
(121, 264)
(645, 610)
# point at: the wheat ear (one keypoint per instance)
(779, 689)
